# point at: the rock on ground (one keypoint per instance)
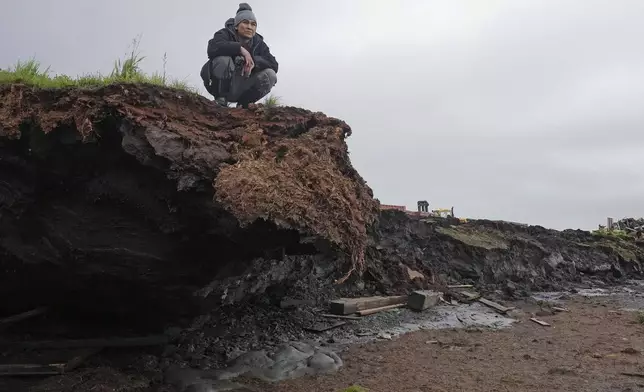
(288, 361)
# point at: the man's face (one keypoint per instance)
(247, 28)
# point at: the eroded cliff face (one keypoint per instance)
(496, 254)
(145, 203)
(130, 199)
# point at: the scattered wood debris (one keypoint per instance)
(558, 309)
(543, 323)
(346, 306)
(499, 308)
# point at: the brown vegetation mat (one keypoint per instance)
(302, 183)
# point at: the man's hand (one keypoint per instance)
(249, 64)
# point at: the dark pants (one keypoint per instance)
(223, 79)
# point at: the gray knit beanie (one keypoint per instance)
(244, 13)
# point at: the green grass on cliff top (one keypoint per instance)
(125, 71)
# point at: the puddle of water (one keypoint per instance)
(630, 298)
(549, 296)
(593, 292)
(401, 321)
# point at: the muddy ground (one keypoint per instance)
(586, 349)
(464, 347)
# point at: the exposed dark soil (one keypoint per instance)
(497, 254)
(136, 197)
(585, 349)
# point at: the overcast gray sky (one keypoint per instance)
(523, 110)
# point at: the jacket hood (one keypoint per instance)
(230, 25)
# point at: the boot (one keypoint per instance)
(221, 91)
(251, 96)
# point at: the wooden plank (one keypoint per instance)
(22, 316)
(27, 369)
(558, 309)
(543, 323)
(378, 310)
(466, 296)
(345, 306)
(460, 286)
(320, 327)
(337, 316)
(153, 340)
(494, 305)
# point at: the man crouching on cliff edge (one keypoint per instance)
(240, 65)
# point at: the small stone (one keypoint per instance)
(516, 313)
(597, 355)
(414, 274)
(322, 363)
(384, 335)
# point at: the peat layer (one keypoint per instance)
(138, 201)
(128, 199)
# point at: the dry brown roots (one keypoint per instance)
(305, 183)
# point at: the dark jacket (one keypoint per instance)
(225, 43)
